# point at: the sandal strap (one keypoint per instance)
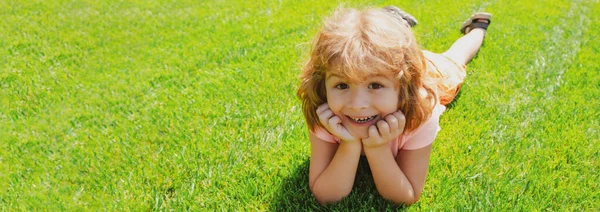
(482, 25)
(475, 22)
(401, 15)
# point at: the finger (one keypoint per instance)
(401, 119)
(373, 133)
(334, 120)
(392, 121)
(322, 108)
(395, 128)
(324, 117)
(325, 123)
(398, 113)
(384, 129)
(326, 114)
(338, 129)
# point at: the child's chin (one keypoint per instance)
(360, 133)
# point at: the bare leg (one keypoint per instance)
(465, 48)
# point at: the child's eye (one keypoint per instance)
(341, 86)
(375, 86)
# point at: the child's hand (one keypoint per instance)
(333, 124)
(386, 130)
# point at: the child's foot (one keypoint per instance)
(401, 15)
(478, 20)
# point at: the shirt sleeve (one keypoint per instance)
(324, 135)
(425, 134)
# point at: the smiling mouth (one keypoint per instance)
(362, 120)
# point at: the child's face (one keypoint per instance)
(360, 105)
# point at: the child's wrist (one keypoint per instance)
(350, 140)
(375, 151)
(354, 144)
(375, 148)
(378, 154)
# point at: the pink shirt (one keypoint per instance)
(419, 138)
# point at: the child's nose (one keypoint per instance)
(358, 100)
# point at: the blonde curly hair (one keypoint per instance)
(359, 44)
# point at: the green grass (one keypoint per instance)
(190, 105)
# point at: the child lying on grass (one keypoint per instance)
(367, 89)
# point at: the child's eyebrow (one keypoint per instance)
(334, 75)
(379, 76)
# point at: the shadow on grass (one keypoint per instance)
(455, 100)
(295, 195)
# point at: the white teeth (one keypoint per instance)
(363, 120)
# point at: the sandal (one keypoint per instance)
(401, 15)
(475, 21)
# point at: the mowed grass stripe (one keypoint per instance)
(494, 124)
(470, 146)
(543, 77)
(543, 156)
(570, 164)
(554, 59)
(539, 178)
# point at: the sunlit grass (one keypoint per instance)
(136, 105)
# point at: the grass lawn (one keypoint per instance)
(190, 105)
